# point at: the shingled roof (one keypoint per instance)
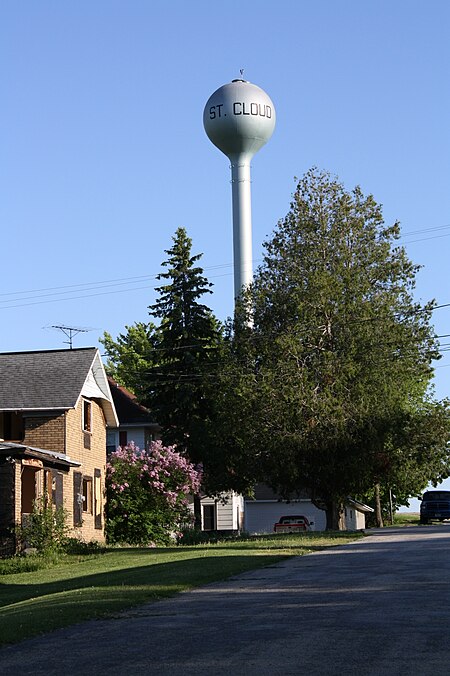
(128, 409)
(53, 379)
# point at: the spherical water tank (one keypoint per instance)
(239, 118)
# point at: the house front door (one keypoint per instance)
(209, 517)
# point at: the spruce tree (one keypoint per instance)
(189, 338)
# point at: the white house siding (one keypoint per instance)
(229, 515)
(354, 519)
(141, 436)
(260, 516)
(229, 511)
(225, 516)
(360, 520)
(136, 434)
(223, 512)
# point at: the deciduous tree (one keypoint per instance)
(131, 355)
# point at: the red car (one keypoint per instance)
(292, 524)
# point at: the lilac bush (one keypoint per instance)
(147, 494)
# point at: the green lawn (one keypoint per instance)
(406, 519)
(81, 588)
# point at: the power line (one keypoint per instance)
(425, 239)
(85, 295)
(423, 230)
(109, 282)
(35, 295)
(35, 300)
(156, 375)
(138, 288)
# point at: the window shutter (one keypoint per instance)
(77, 499)
(57, 497)
(97, 498)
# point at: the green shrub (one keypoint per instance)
(82, 548)
(45, 528)
(147, 494)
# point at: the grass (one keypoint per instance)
(82, 588)
(406, 519)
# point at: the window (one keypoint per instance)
(11, 426)
(149, 437)
(209, 517)
(87, 495)
(87, 416)
(123, 438)
(111, 444)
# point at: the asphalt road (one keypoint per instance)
(379, 606)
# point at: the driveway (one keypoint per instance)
(379, 606)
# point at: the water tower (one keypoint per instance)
(239, 118)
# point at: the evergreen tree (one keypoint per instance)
(338, 354)
(189, 338)
(189, 341)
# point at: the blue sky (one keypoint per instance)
(103, 152)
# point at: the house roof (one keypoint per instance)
(9, 449)
(53, 380)
(264, 493)
(128, 409)
(360, 506)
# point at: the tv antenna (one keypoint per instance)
(70, 332)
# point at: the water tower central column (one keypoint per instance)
(242, 224)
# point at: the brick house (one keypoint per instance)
(55, 406)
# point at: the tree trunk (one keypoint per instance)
(334, 512)
(378, 513)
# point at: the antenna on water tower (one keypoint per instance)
(239, 118)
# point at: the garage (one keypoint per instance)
(261, 515)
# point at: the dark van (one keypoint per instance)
(435, 506)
